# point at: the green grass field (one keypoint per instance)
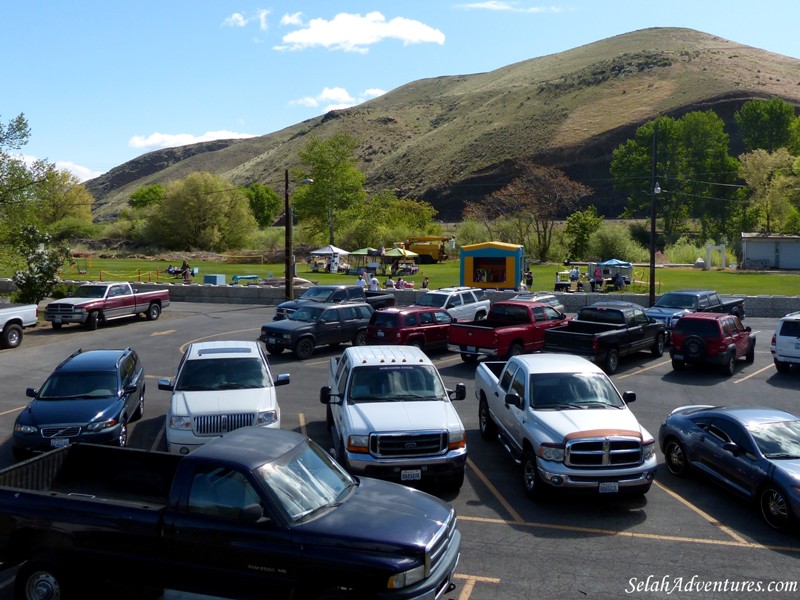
(748, 283)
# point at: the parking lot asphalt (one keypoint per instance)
(687, 538)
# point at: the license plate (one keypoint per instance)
(379, 333)
(609, 487)
(59, 442)
(57, 320)
(411, 475)
(270, 340)
(470, 348)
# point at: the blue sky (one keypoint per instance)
(103, 82)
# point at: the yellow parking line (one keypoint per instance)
(746, 377)
(303, 423)
(471, 580)
(12, 410)
(514, 514)
(643, 369)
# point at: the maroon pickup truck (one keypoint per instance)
(512, 327)
(98, 302)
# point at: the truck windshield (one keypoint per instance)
(557, 391)
(434, 300)
(90, 291)
(317, 294)
(308, 314)
(198, 375)
(395, 382)
(677, 301)
(306, 481)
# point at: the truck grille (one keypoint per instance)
(63, 431)
(219, 424)
(604, 452)
(437, 549)
(59, 309)
(397, 445)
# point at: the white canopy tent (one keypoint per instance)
(329, 250)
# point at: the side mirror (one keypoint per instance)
(325, 394)
(283, 379)
(514, 399)
(166, 385)
(252, 513)
(460, 392)
(629, 397)
(732, 448)
(130, 388)
(748, 329)
(31, 392)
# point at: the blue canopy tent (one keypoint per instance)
(608, 271)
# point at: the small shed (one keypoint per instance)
(492, 265)
(770, 251)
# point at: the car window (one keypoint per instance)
(221, 492)
(411, 319)
(727, 328)
(538, 313)
(66, 385)
(338, 296)
(431, 299)
(222, 374)
(735, 433)
(355, 293)
(384, 319)
(551, 314)
(467, 298)
(508, 375)
(702, 302)
(790, 328)
(518, 383)
(739, 325)
(443, 317)
(455, 300)
(479, 294)
(364, 311)
(343, 372)
(127, 370)
(347, 313)
(426, 318)
(330, 316)
(639, 318)
(702, 327)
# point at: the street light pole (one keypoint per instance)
(654, 190)
(288, 225)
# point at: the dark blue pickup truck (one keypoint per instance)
(673, 305)
(257, 513)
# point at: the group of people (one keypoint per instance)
(184, 271)
(390, 284)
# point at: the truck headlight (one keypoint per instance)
(26, 429)
(358, 443)
(100, 425)
(267, 417)
(648, 449)
(552, 452)
(406, 578)
(287, 336)
(180, 422)
(456, 439)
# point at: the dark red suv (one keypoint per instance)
(421, 326)
(700, 338)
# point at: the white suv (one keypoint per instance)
(220, 386)
(785, 344)
(462, 303)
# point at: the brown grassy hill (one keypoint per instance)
(454, 138)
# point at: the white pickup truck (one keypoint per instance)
(391, 417)
(565, 422)
(13, 318)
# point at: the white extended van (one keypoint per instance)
(391, 417)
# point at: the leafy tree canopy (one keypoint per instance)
(265, 203)
(765, 124)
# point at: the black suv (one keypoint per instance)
(313, 325)
(90, 397)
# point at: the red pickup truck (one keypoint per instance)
(98, 302)
(512, 327)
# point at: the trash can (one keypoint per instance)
(214, 279)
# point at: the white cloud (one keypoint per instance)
(238, 19)
(355, 33)
(82, 173)
(498, 6)
(293, 19)
(157, 141)
(336, 98)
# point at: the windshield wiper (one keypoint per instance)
(784, 455)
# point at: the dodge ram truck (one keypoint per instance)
(332, 294)
(564, 421)
(95, 303)
(390, 416)
(256, 513)
(13, 319)
(673, 305)
(512, 327)
(605, 331)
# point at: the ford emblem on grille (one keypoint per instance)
(411, 445)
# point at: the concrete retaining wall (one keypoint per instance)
(756, 306)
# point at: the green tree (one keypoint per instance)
(203, 212)
(43, 259)
(580, 227)
(265, 203)
(150, 195)
(765, 124)
(337, 184)
(771, 181)
(61, 195)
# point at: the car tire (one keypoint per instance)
(360, 339)
(11, 336)
(750, 357)
(93, 320)
(729, 368)
(486, 425)
(658, 346)
(341, 455)
(775, 508)
(56, 325)
(274, 350)
(122, 438)
(304, 348)
(678, 365)
(611, 363)
(694, 346)
(19, 454)
(139, 413)
(675, 458)
(328, 418)
(41, 578)
(514, 350)
(416, 343)
(480, 316)
(530, 476)
(455, 482)
(153, 312)
(782, 367)
(469, 358)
